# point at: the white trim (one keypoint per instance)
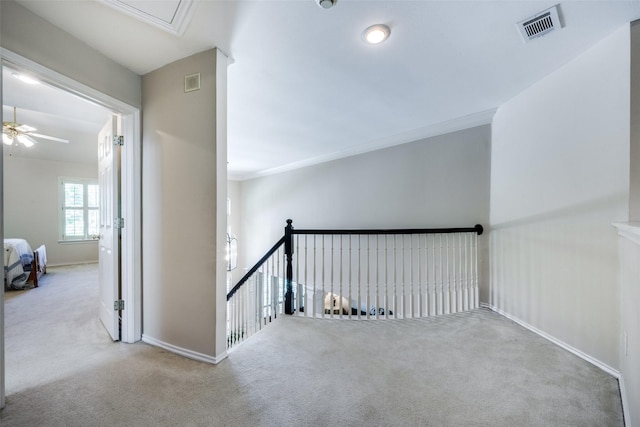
(131, 178)
(220, 345)
(625, 402)
(65, 264)
(85, 182)
(629, 230)
(131, 236)
(608, 369)
(65, 83)
(183, 351)
(2, 364)
(177, 26)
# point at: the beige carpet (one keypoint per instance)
(472, 369)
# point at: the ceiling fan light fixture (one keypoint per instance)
(23, 133)
(26, 79)
(376, 34)
(25, 140)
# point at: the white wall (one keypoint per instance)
(180, 168)
(32, 207)
(437, 182)
(559, 178)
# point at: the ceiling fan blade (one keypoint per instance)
(52, 138)
(27, 141)
(25, 128)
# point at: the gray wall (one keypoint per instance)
(634, 199)
(437, 182)
(28, 35)
(32, 208)
(559, 179)
(630, 252)
(179, 207)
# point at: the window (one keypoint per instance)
(79, 200)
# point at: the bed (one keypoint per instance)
(23, 266)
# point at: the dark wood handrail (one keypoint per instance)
(288, 242)
(476, 229)
(255, 268)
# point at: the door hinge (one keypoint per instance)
(118, 140)
(118, 222)
(118, 305)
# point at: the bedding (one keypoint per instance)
(18, 259)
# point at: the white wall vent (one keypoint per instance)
(192, 82)
(540, 24)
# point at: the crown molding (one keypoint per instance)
(436, 129)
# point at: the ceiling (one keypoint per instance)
(55, 113)
(303, 86)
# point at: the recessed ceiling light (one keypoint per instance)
(326, 4)
(376, 34)
(26, 79)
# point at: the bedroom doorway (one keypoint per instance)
(129, 270)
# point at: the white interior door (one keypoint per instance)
(109, 257)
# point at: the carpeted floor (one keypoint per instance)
(469, 369)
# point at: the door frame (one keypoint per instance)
(131, 193)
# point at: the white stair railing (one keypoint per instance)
(381, 274)
(256, 300)
(357, 274)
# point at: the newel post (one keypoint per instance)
(288, 251)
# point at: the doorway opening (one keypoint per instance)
(130, 266)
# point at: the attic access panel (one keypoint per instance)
(170, 15)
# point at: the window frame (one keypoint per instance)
(86, 237)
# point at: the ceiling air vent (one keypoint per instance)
(540, 24)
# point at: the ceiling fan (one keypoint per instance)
(23, 133)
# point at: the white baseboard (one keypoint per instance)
(608, 369)
(65, 264)
(183, 351)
